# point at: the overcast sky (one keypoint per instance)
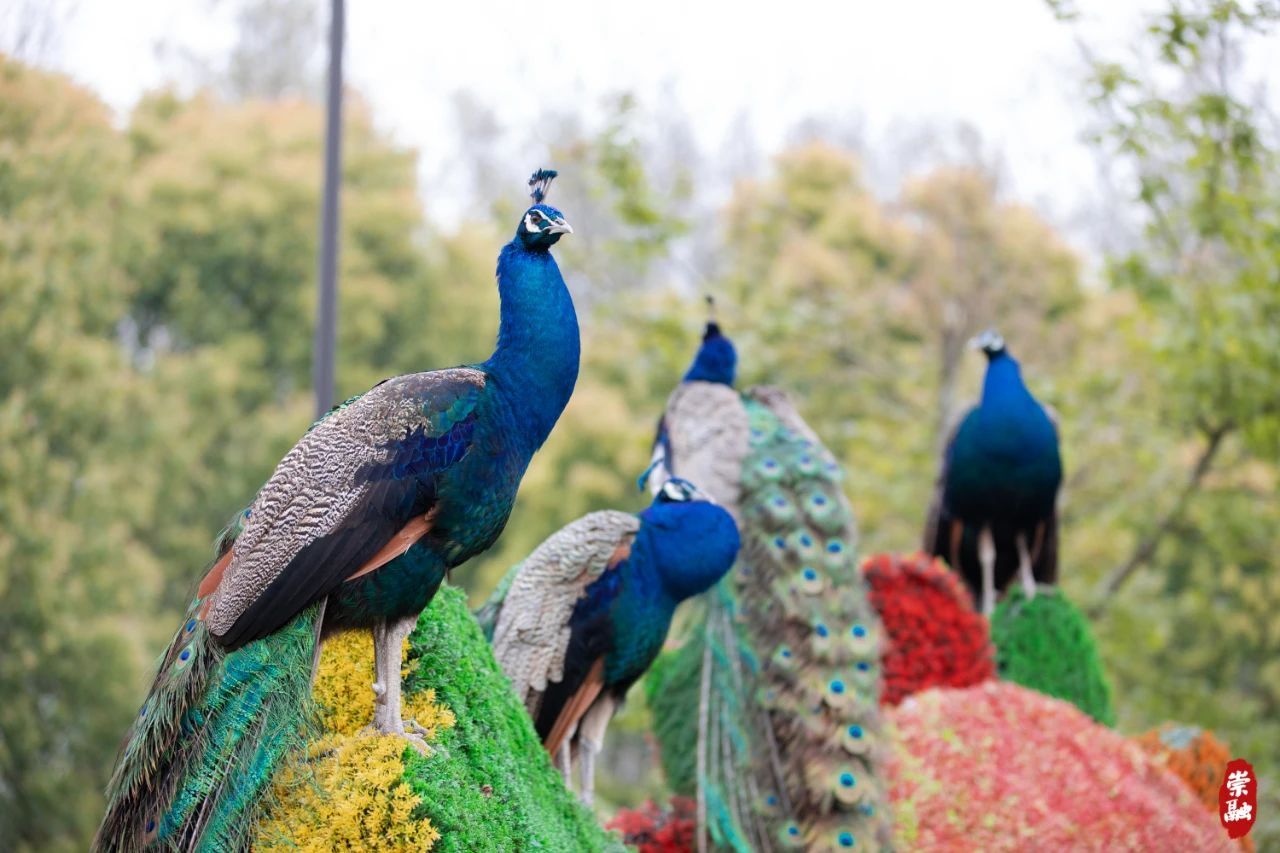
(1004, 66)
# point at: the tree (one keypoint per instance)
(274, 56)
(862, 308)
(75, 489)
(1205, 163)
(1201, 427)
(156, 292)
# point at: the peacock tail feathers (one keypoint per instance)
(195, 764)
(708, 675)
(804, 612)
(783, 665)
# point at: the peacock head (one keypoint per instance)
(694, 540)
(542, 225)
(717, 360)
(990, 343)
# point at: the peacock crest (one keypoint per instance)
(540, 184)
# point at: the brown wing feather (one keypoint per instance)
(401, 542)
(707, 431)
(576, 707)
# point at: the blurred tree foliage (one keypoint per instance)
(75, 494)
(156, 305)
(1204, 153)
(863, 309)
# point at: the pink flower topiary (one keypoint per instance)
(1001, 767)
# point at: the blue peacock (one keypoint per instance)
(356, 528)
(781, 670)
(994, 513)
(583, 617)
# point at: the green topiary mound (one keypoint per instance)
(487, 785)
(1045, 643)
(494, 787)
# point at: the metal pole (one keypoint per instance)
(327, 310)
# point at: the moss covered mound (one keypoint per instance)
(491, 786)
(1045, 643)
(488, 785)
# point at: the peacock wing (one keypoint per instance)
(487, 614)
(346, 490)
(937, 523)
(779, 402)
(706, 433)
(532, 630)
(1045, 558)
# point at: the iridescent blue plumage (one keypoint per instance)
(995, 514)
(682, 549)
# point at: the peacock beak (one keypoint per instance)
(987, 341)
(699, 495)
(559, 226)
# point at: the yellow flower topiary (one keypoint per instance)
(343, 689)
(348, 792)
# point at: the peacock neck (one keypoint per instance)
(535, 363)
(1003, 391)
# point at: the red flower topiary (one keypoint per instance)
(934, 637)
(651, 829)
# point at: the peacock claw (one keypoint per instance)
(419, 743)
(407, 729)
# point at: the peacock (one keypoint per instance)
(583, 617)
(994, 510)
(356, 528)
(781, 670)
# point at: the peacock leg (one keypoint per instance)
(388, 640)
(566, 763)
(379, 685)
(987, 556)
(587, 762)
(591, 741)
(1024, 567)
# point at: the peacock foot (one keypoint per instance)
(407, 729)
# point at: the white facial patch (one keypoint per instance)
(530, 224)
